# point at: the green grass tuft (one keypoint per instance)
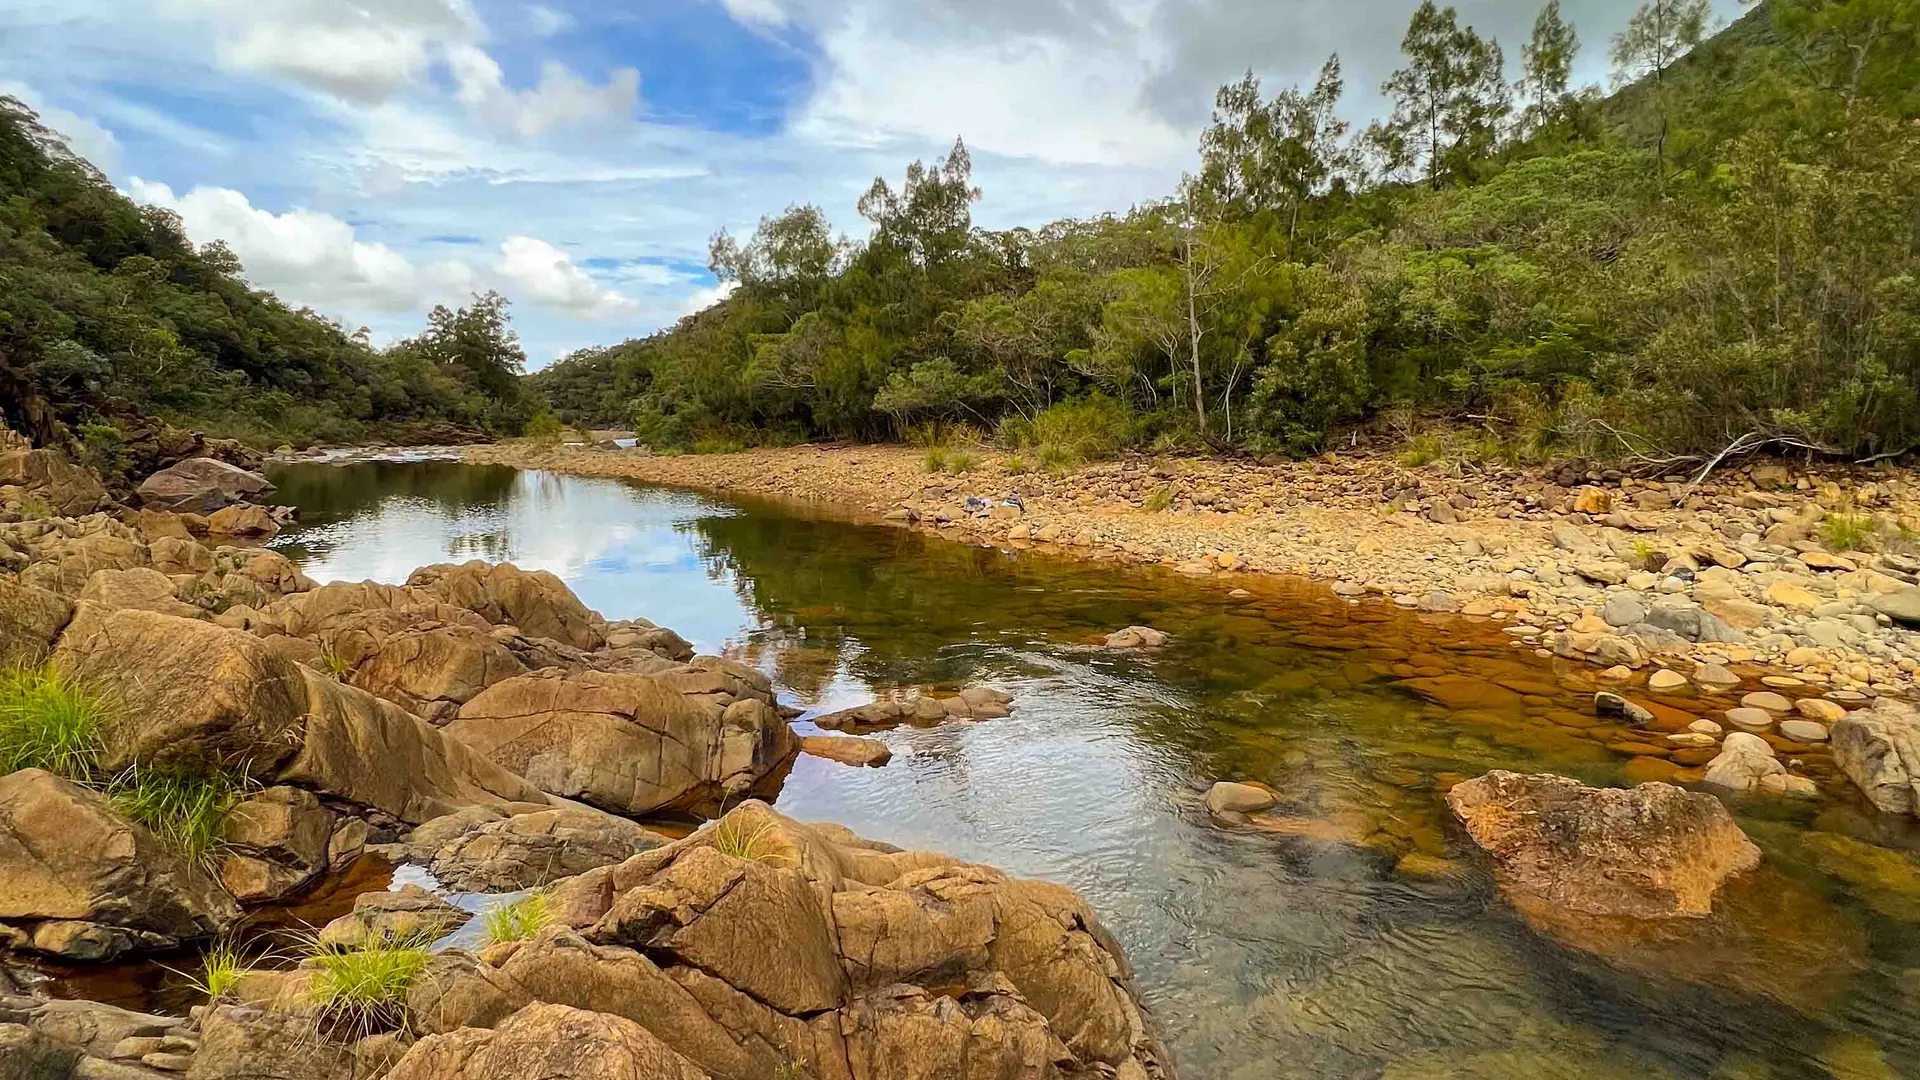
(936, 459)
(48, 720)
(735, 836)
(35, 506)
(517, 921)
(962, 461)
(1017, 465)
(1423, 450)
(335, 665)
(1847, 532)
(364, 989)
(220, 971)
(1158, 499)
(182, 807)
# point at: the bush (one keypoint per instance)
(1846, 531)
(1158, 499)
(1072, 432)
(545, 428)
(718, 444)
(49, 721)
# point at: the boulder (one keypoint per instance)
(64, 564)
(430, 670)
(68, 490)
(552, 1042)
(641, 634)
(483, 850)
(239, 1042)
(1879, 750)
(30, 621)
(243, 520)
(1744, 761)
(409, 914)
(536, 601)
(630, 744)
(276, 843)
(760, 947)
(919, 707)
(1649, 852)
(1902, 605)
(87, 884)
(202, 486)
(1137, 637)
(846, 749)
(179, 556)
(26, 1054)
(1227, 797)
(140, 588)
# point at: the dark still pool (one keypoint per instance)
(1355, 932)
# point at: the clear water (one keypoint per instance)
(1360, 938)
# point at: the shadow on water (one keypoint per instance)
(1355, 935)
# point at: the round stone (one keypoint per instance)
(1768, 700)
(1848, 697)
(1665, 679)
(1704, 727)
(1750, 719)
(1782, 682)
(1803, 731)
(1715, 675)
(1690, 738)
(1820, 709)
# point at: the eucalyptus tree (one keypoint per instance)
(1656, 37)
(1449, 101)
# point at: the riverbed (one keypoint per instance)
(1356, 936)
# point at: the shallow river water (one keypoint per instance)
(1356, 936)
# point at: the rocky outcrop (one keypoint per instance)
(192, 693)
(276, 843)
(483, 850)
(202, 485)
(888, 963)
(243, 520)
(46, 476)
(1650, 852)
(919, 707)
(630, 744)
(1879, 750)
(79, 881)
(409, 914)
(847, 749)
(549, 1041)
(140, 588)
(536, 601)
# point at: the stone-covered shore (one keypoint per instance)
(1642, 575)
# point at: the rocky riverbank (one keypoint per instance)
(1808, 573)
(195, 735)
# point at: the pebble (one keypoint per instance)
(1704, 727)
(1766, 699)
(1819, 709)
(1750, 719)
(1714, 675)
(1782, 682)
(1666, 679)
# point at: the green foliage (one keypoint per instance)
(1078, 430)
(182, 806)
(364, 989)
(1423, 450)
(48, 720)
(1158, 499)
(1843, 531)
(35, 506)
(334, 665)
(735, 836)
(221, 969)
(517, 920)
(544, 427)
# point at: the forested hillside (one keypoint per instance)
(1722, 253)
(110, 318)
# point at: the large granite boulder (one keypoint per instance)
(483, 850)
(1650, 852)
(536, 601)
(552, 1042)
(274, 844)
(191, 693)
(759, 947)
(66, 489)
(30, 622)
(1879, 750)
(201, 486)
(79, 881)
(627, 743)
(431, 669)
(141, 588)
(62, 563)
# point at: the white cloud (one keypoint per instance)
(546, 275)
(756, 12)
(561, 99)
(357, 52)
(546, 22)
(704, 298)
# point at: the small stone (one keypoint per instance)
(1605, 704)
(1666, 679)
(1750, 719)
(1786, 594)
(1786, 783)
(1622, 609)
(1819, 709)
(1782, 682)
(1227, 797)
(1617, 673)
(1768, 700)
(1705, 727)
(1691, 738)
(1806, 731)
(1715, 675)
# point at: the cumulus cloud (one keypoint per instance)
(560, 99)
(546, 22)
(546, 275)
(756, 12)
(360, 53)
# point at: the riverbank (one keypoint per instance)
(1758, 567)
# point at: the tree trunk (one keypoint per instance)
(1193, 343)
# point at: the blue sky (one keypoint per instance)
(372, 159)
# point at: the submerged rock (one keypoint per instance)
(1138, 637)
(79, 881)
(1649, 852)
(1227, 797)
(919, 707)
(846, 749)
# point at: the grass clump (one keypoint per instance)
(1158, 499)
(1847, 532)
(962, 461)
(364, 989)
(739, 838)
(718, 444)
(34, 506)
(48, 720)
(334, 665)
(1017, 465)
(936, 459)
(220, 971)
(184, 807)
(1423, 450)
(517, 921)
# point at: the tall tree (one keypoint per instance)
(931, 216)
(1271, 156)
(1450, 99)
(1657, 36)
(1546, 68)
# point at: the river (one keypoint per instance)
(1359, 937)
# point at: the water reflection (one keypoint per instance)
(1357, 939)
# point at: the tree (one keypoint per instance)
(788, 252)
(931, 217)
(1270, 156)
(1546, 67)
(1657, 36)
(1450, 99)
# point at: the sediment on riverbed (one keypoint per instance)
(1810, 571)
